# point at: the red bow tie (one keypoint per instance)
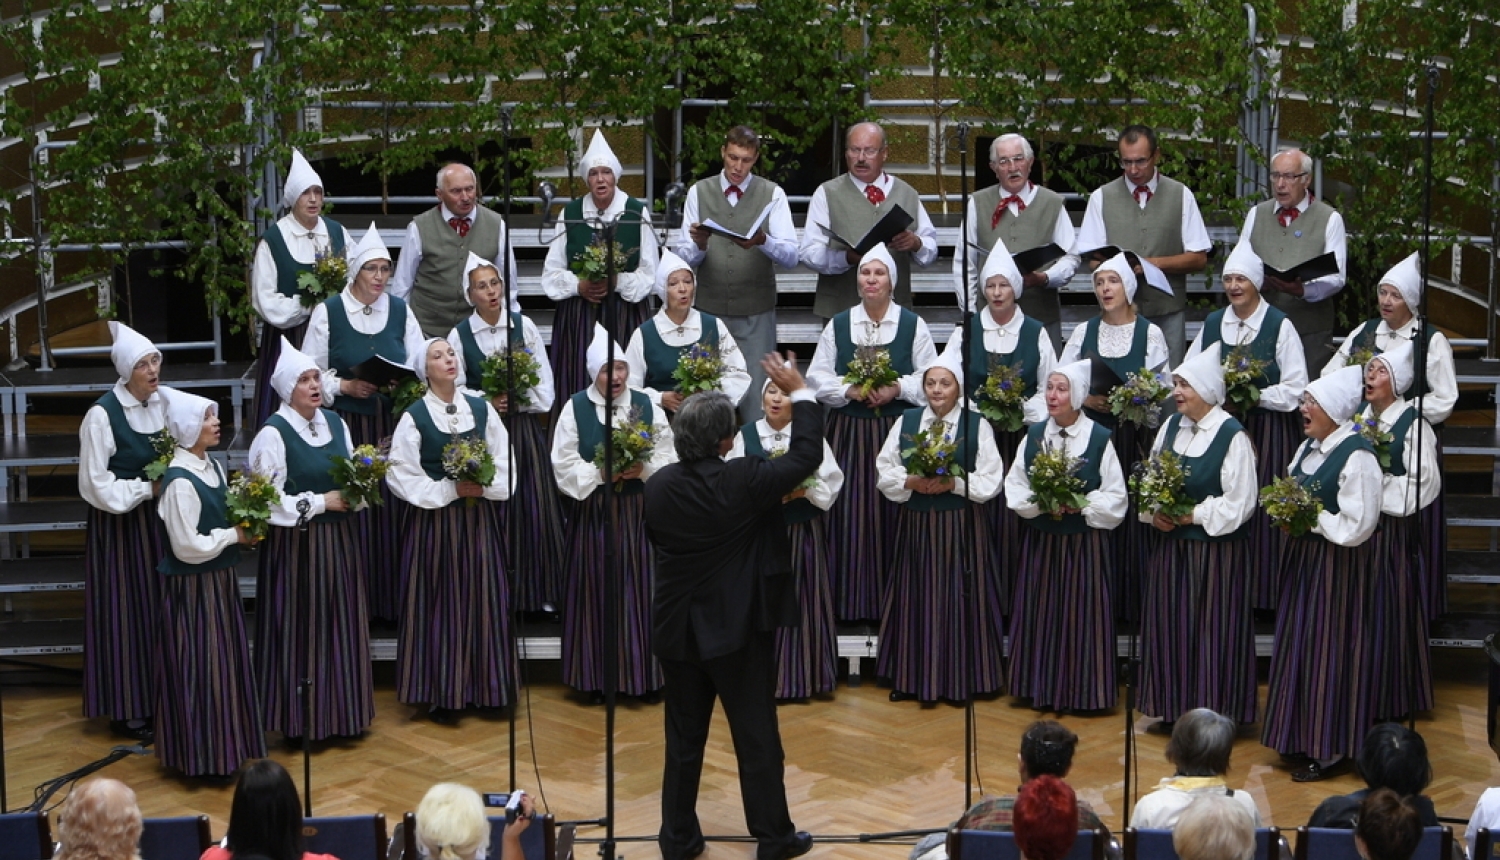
(735, 190)
(1287, 214)
(1001, 208)
(1142, 190)
(874, 195)
(459, 224)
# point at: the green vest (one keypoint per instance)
(1153, 231)
(734, 281)
(1093, 455)
(1025, 358)
(133, 451)
(1124, 365)
(1400, 431)
(435, 440)
(661, 359)
(900, 350)
(1327, 475)
(1203, 478)
(968, 428)
(1262, 347)
(1030, 229)
(214, 514)
(627, 231)
(347, 347)
(287, 267)
(795, 511)
(591, 430)
(851, 216)
(1366, 340)
(310, 469)
(1284, 247)
(437, 290)
(474, 357)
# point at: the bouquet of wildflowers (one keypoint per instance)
(1359, 357)
(1241, 370)
(524, 374)
(1002, 397)
(1138, 399)
(1291, 505)
(329, 273)
(467, 458)
(359, 476)
(1157, 485)
(251, 495)
(404, 393)
(807, 483)
(633, 443)
(592, 264)
(1055, 485)
(1368, 426)
(699, 368)
(932, 454)
(870, 370)
(164, 446)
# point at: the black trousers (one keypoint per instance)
(745, 681)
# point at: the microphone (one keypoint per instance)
(548, 192)
(675, 193)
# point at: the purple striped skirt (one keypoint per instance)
(807, 655)
(1062, 626)
(862, 523)
(584, 611)
(121, 612)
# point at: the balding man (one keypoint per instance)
(1292, 228)
(1026, 216)
(852, 204)
(429, 272)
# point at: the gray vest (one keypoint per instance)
(1283, 247)
(851, 216)
(733, 281)
(436, 296)
(1155, 231)
(1030, 229)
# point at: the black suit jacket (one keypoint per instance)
(723, 561)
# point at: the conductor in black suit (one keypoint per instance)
(724, 583)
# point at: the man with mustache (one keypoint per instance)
(1156, 217)
(1026, 216)
(850, 205)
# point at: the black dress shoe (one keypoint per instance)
(897, 696)
(1313, 772)
(801, 843)
(443, 716)
(141, 730)
(650, 697)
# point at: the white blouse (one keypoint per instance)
(736, 379)
(1106, 505)
(1359, 490)
(1003, 340)
(180, 507)
(1222, 514)
(268, 457)
(828, 480)
(978, 486)
(1285, 395)
(559, 283)
(96, 444)
(578, 478)
(493, 339)
(316, 344)
(410, 482)
(830, 386)
(1399, 496)
(1116, 341)
(1442, 377)
(304, 246)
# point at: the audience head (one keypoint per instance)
(99, 821)
(1214, 827)
(1045, 819)
(265, 817)
(1201, 743)
(1389, 826)
(451, 824)
(1047, 749)
(1395, 757)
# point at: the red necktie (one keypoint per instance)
(1142, 190)
(1287, 214)
(874, 195)
(459, 224)
(735, 190)
(1000, 209)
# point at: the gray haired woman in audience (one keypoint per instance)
(1201, 743)
(100, 821)
(1214, 827)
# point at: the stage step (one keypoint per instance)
(19, 387)
(22, 517)
(1477, 441)
(1481, 511)
(1474, 567)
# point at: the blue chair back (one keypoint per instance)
(1329, 843)
(1157, 844)
(182, 838)
(538, 842)
(25, 836)
(351, 837)
(1001, 845)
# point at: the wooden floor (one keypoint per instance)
(856, 763)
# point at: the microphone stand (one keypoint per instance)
(304, 689)
(1416, 533)
(971, 572)
(512, 560)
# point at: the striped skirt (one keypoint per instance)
(940, 634)
(584, 609)
(266, 401)
(1133, 540)
(121, 612)
(1198, 630)
(573, 330)
(378, 528)
(1434, 544)
(1005, 526)
(862, 523)
(314, 617)
(1398, 626)
(1062, 625)
(1275, 437)
(1322, 696)
(534, 519)
(455, 648)
(207, 712)
(807, 655)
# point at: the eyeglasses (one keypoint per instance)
(1277, 177)
(1135, 162)
(1307, 400)
(376, 268)
(864, 152)
(1017, 160)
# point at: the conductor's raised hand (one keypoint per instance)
(783, 372)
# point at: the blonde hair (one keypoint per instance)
(451, 824)
(100, 821)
